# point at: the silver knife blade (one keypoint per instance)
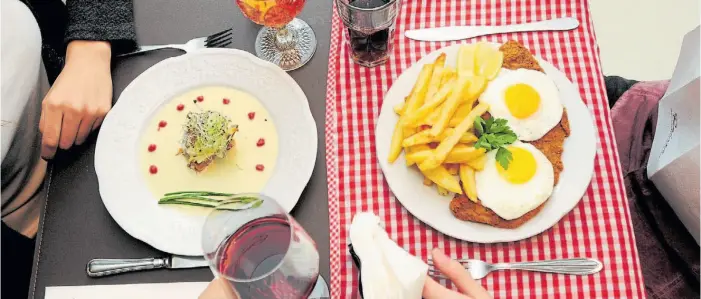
(442, 34)
(181, 262)
(450, 33)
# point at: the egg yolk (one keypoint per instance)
(521, 168)
(522, 100)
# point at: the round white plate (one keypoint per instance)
(122, 187)
(425, 203)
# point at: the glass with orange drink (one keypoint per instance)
(284, 40)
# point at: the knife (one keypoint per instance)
(105, 267)
(442, 34)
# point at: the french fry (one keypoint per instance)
(399, 109)
(442, 191)
(464, 154)
(424, 137)
(419, 92)
(467, 177)
(467, 137)
(432, 117)
(441, 177)
(478, 163)
(459, 115)
(440, 60)
(450, 105)
(412, 118)
(395, 147)
(436, 76)
(441, 152)
(428, 182)
(448, 73)
(413, 149)
(477, 86)
(459, 154)
(413, 102)
(435, 82)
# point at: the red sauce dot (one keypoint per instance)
(162, 124)
(261, 142)
(153, 169)
(260, 167)
(200, 98)
(251, 115)
(226, 101)
(180, 107)
(151, 147)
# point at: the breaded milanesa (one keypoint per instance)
(551, 144)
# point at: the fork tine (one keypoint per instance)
(220, 38)
(219, 44)
(461, 261)
(435, 273)
(213, 36)
(218, 41)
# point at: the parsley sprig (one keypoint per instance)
(495, 134)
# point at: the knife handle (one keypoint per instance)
(105, 267)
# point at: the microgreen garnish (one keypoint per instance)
(495, 134)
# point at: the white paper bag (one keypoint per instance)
(674, 158)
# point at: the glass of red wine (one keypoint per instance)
(369, 29)
(253, 243)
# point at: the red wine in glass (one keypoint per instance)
(269, 257)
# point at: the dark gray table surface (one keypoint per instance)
(76, 227)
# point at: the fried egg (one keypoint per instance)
(524, 185)
(527, 99)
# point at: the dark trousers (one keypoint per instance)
(16, 263)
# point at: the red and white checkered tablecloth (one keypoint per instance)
(600, 226)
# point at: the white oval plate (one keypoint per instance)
(122, 187)
(431, 208)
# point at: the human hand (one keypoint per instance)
(79, 99)
(218, 289)
(468, 287)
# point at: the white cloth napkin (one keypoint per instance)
(181, 290)
(387, 271)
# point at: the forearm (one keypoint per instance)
(102, 20)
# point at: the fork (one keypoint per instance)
(218, 40)
(479, 269)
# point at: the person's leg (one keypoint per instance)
(16, 263)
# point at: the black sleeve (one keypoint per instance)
(102, 20)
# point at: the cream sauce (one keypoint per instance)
(235, 173)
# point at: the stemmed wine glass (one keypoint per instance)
(285, 40)
(261, 250)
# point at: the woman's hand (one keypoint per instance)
(468, 287)
(79, 99)
(218, 289)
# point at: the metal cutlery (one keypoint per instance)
(105, 267)
(440, 34)
(218, 40)
(479, 269)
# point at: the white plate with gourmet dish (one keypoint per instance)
(486, 142)
(192, 130)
